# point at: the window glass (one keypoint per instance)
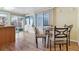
(46, 18)
(17, 21)
(29, 20)
(39, 20)
(3, 19)
(42, 19)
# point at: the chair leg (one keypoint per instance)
(66, 47)
(48, 42)
(69, 40)
(44, 41)
(54, 47)
(36, 43)
(50, 45)
(60, 46)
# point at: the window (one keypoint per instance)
(46, 18)
(39, 20)
(3, 19)
(42, 19)
(29, 20)
(17, 21)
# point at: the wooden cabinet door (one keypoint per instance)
(10, 35)
(2, 37)
(7, 36)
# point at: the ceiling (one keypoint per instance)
(25, 10)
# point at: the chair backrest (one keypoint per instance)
(60, 32)
(69, 27)
(38, 31)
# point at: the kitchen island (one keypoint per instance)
(7, 35)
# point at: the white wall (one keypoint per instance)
(78, 25)
(67, 15)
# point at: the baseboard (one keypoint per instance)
(74, 41)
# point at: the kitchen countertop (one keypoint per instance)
(6, 26)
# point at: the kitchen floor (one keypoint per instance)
(26, 42)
